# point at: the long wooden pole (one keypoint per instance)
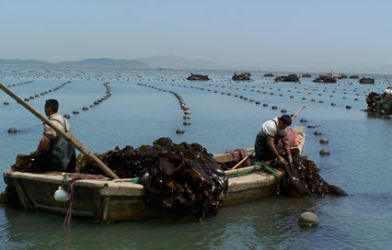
(69, 136)
(297, 113)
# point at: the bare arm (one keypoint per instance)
(272, 146)
(44, 144)
(286, 147)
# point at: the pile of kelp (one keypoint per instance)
(379, 104)
(302, 178)
(325, 79)
(244, 76)
(181, 177)
(288, 78)
(197, 77)
(32, 163)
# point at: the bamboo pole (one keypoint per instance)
(69, 136)
(297, 113)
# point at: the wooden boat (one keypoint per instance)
(107, 200)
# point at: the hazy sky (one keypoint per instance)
(276, 34)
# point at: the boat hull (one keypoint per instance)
(109, 200)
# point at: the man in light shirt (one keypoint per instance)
(60, 152)
(267, 139)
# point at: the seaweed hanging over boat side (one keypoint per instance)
(305, 174)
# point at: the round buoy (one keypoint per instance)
(324, 151)
(85, 108)
(324, 141)
(6, 103)
(316, 132)
(308, 220)
(180, 131)
(67, 116)
(311, 125)
(75, 112)
(348, 107)
(12, 131)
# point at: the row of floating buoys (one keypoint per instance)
(185, 108)
(36, 96)
(19, 84)
(273, 107)
(272, 93)
(6, 103)
(108, 93)
(324, 151)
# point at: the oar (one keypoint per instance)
(67, 136)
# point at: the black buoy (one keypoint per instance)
(180, 131)
(75, 112)
(324, 151)
(316, 132)
(6, 103)
(12, 131)
(348, 107)
(324, 141)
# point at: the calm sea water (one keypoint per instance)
(135, 115)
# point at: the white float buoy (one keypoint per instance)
(61, 195)
(308, 219)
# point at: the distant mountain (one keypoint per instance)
(21, 62)
(92, 62)
(167, 62)
(174, 62)
(106, 62)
